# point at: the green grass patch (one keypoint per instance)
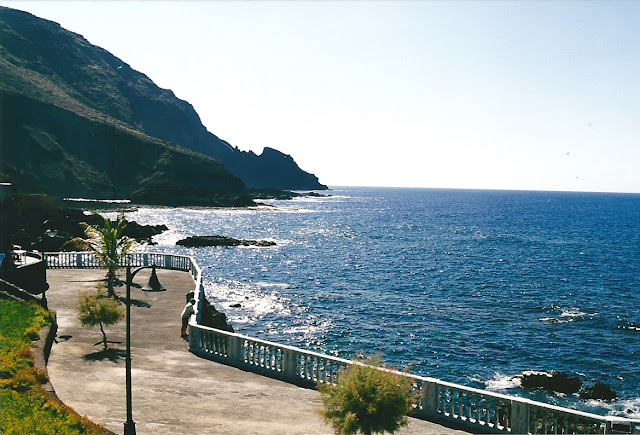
(24, 406)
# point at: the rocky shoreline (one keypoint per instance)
(563, 383)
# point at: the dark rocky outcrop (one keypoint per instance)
(598, 391)
(554, 381)
(143, 233)
(34, 215)
(78, 121)
(202, 241)
(213, 318)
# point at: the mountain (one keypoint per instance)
(77, 121)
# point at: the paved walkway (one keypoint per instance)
(174, 391)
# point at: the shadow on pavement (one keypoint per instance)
(111, 354)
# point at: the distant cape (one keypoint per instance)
(78, 121)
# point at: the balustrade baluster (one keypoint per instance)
(459, 403)
(468, 405)
(487, 415)
(534, 419)
(315, 369)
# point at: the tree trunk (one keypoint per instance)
(111, 278)
(104, 336)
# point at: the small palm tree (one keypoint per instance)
(98, 309)
(110, 244)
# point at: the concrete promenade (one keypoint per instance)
(174, 391)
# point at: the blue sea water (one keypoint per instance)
(467, 286)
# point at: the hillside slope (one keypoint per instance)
(76, 120)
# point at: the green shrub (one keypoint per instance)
(367, 399)
(99, 310)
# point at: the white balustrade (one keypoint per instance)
(474, 409)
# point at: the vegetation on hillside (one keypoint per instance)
(25, 408)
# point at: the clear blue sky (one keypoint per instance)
(500, 94)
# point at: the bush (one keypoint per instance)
(367, 399)
(99, 310)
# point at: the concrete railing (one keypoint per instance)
(475, 410)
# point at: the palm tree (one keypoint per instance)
(110, 244)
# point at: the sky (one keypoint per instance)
(523, 95)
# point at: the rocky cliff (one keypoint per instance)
(76, 120)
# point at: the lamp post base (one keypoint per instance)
(130, 428)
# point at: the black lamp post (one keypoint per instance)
(153, 286)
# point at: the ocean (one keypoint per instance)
(468, 286)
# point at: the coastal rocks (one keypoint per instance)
(143, 233)
(202, 241)
(555, 382)
(558, 382)
(213, 318)
(599, 391)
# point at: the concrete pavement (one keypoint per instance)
(174, 391)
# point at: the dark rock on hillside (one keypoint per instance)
(599, 391)
(35, 215)
(171, 194)
(78, 121)
(557, 382)
(213, 318)
(202, 241)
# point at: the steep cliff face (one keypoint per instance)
(42, 61)
(44, 148)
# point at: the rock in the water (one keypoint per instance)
(143, 233)
(235, 305)
(599, 391)
(201, 241)
(557, 382)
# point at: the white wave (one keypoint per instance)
(572, 312)
(626, 408)
(308, 329)
(501, 382)
(552, 320)
(254, 302)
(106, 201)
(168, 238)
